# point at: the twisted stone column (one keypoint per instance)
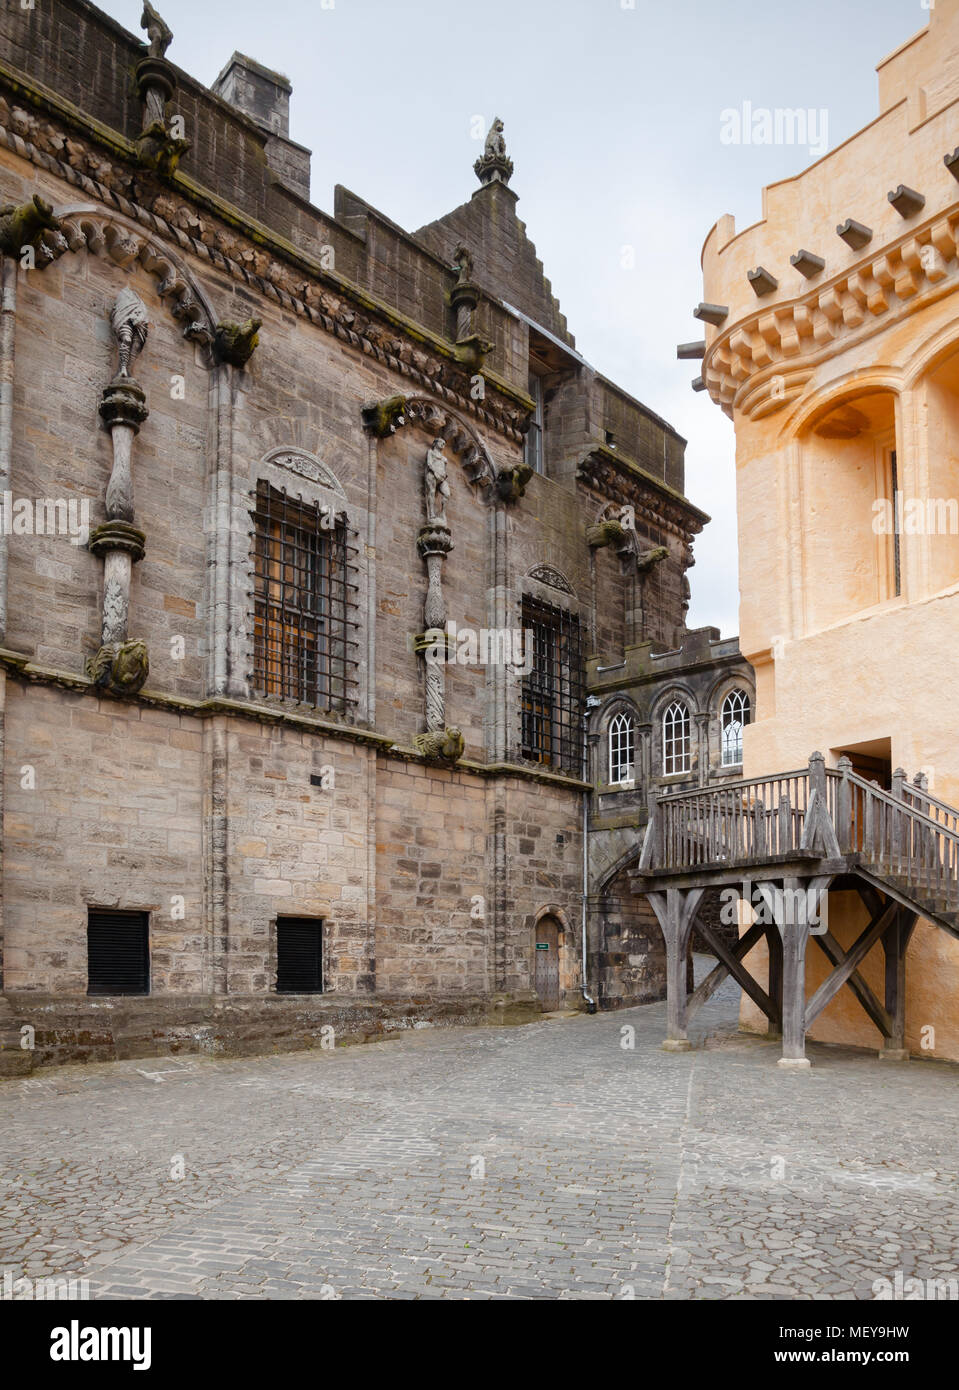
(120, 664)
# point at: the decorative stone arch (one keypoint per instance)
(461, 438)
(568, 964)
(304, 466)
(808, 411)
(552, 578)
(930, 355)
(86, 226)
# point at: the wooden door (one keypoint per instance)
(546, 963)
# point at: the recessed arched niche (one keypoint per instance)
(849, 480)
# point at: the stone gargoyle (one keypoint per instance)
(122, 667)
(511, 482)
(22, 225)
(442, 745)
(384, 418)
(160, 150)
(234, 342)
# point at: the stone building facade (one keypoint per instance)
(270, 765)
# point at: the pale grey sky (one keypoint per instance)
(613, 118)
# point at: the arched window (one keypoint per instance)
(735, 717)
(622, 750)
(676, 757)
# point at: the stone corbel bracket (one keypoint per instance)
(235, 342)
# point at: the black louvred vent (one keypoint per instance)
(299, 955)
(118, 953)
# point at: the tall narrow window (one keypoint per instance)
(622, 750)
(118, 952)
(299, 955)
(676, 754)
(735, 717)
(552, 695)
(897, 554)
(534, 435)
(301, 640)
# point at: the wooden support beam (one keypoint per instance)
(675, 912)
(834, 953)
(795, 935)
(739, 971)
(774, 946)
(834, 982)
(895, 941)
(716, 976)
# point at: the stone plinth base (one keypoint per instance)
(84, 1029)
(677, 1045)
(794, 1063)
(893, 1054)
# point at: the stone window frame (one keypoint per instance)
(743, 716)
(599, 741)
(322, 489)
(674, 691)
(621, 749)
(737, 679)
(528, 587)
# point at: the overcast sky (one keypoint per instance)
(614, 118)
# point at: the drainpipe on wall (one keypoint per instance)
(590, 701)
(8, 317)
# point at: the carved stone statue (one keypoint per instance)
(464, 264)
(495, 165)
(445, 745)
(159, 33)
(495, 140)
(437, 485)
(129, 321)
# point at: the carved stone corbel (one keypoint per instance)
(384, 418)
(235, 342)
(23, 224)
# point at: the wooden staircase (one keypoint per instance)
(800, 833)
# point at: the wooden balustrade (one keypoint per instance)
(904, 834)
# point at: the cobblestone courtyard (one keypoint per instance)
(543, 1161)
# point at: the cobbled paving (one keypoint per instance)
(546, 1161)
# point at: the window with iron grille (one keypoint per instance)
(118, 952)
(553, 691)
(676, 742)
(622, 749)
(302, 636)
(735, 717)
(299, 955)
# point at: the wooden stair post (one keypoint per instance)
(795, 936)
(895, 940)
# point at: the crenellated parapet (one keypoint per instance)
(862, 238)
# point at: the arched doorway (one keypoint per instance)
(546, 946)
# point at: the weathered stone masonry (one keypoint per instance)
(287, 353)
